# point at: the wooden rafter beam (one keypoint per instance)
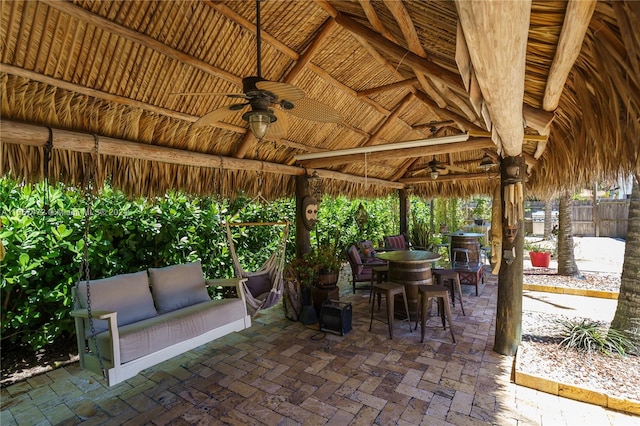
(389, 120)
(403, 169)
(386, 87)
(471, 144)
(400, 53)
(71, 87)
(496, 34)
(376, 23)
(119, 30)
(448, 178)
(12, 132)
(432, 124)
(251, 27)
(538, 119)
(439, 105)
(445, 113)
(437, 90)
(576, 22)
(405, 23)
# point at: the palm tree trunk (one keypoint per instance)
(548, 219)
(627, 316)
(566, 260)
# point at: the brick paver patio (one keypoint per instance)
(281, 372)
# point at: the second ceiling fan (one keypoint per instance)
(267, 101)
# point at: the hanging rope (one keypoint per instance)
(84, 272)
(274, 266)
(366, 182)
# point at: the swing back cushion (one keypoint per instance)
(127, 294)
(178, 286)
(259, 283)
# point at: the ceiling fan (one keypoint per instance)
(437, 168)
(267, 100)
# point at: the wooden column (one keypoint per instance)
(404, 211)
(596, 212)
(303, 243)
(509, 311)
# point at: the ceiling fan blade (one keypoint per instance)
(215, 115)
(453, 168)
(278, 129)
(310, 109)
(281, 90)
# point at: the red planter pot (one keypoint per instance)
(540, 259)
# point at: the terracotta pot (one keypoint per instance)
(540, 259)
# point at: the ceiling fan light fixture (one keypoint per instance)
(487, 162)
(259, 122)
(434, 174)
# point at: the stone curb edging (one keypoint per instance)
(602, 294)
(564, 389)
(577, 393)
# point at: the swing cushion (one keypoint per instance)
(177, 286)
(127, 294)
(259, 283)
(153, 334)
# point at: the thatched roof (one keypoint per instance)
(555, 81)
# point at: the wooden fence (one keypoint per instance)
(607, 219)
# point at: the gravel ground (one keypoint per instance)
(542, 356)
(604, 281)
(540, 353)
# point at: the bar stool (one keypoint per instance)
(440, 292)
(460, 251)
(389, 290)
(443, 275)
(380, 273)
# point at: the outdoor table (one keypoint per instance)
(411, 268)
(466, 240)
(471, 272)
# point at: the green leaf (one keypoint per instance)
(23, 259)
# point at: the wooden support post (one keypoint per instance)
(509, 311)
(303, 242)
(404, 211)
(596, 212)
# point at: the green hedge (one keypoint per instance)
(44, 251)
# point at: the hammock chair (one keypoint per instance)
(263, 288)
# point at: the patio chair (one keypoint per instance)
(399, 242)
(361, 272)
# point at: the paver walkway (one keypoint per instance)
(281, 372)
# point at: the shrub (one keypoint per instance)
(588, 336)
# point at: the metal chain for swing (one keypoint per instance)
(84, 264)
(48, 149)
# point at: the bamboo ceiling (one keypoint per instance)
(558, 82)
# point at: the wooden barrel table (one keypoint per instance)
(411, 268)
(466, 240)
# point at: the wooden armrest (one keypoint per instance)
(95, 314)
(225, 282)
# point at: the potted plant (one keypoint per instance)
(326, 262)
(320, 267)
(539, 256)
